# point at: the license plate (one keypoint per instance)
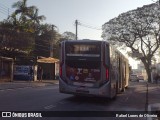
(83, 84)
(82, 90)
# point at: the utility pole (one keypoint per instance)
(76, 22)
(146, 104)
(51, 43)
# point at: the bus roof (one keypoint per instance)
(85, 40)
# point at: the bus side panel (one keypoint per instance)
(121, 73)
(127, 73)
(118, 80)
(113, 71)
(124, 73)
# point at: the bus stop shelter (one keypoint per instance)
(47, 60)
(50, 67)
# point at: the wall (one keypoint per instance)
(6, 69)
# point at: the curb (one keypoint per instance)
(25, 84)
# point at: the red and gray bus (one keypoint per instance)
(92, 68)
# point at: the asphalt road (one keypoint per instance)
(48, 98)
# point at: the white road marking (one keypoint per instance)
(62, 102)
(49, 107)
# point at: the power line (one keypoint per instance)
(3, 5)
(4, 9)
(88, 25)
(84, 25)
(3, 12)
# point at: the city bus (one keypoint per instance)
(92, 68)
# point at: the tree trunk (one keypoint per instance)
(147, 66)
(148, 70)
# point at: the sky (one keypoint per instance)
(63, 13)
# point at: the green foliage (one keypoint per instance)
(25, 33)
(69, 35)
(137, 29)
(46, 36)
(25, 18)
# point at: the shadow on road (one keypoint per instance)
(90, 100)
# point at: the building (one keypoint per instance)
(50, 67)
(6, 69)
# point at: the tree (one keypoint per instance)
(137, 29)
(35, 17)
(69, 35)
(23, 31)
(13, 43)
(23, 10)
(46, 36)
(22, 15)
(19, 31)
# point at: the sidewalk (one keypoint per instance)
(24, 84)
(153, 93)
(153, 99)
